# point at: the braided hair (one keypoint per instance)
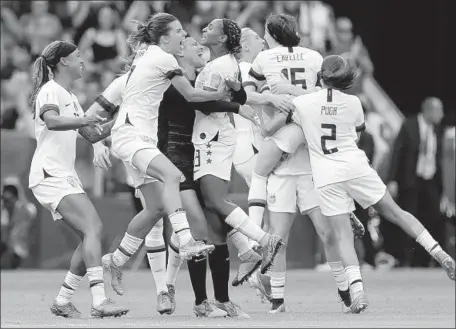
(233, 33)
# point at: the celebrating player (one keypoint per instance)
(134, 140)
(332, 121)
(53, 179)
(213, 137)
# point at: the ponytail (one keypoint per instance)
(141, 35)
(40, 77)
(46, 65)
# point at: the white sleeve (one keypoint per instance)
(47, 100)
(111, 97)
(256, 71)
(296, 117)
(360, 120)
(169, 67)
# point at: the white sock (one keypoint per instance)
(354, 279)
(156, 255)
(126, 249)
(240, 241)
(95, 275)
(278, 285)
(428, 242)
(239, 220)
(69, 287)
(257, 198)
(180, 226)
(174, 261)
(339, 275)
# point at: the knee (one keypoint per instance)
(172, 176)
(214, 204)
(327, 237)
(94, 229)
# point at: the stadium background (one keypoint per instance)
(407, 43)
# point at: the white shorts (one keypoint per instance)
(245, 169)
(136, 152)
(285, 193)
(213, 158)
(288, 138)
(52, 190)
(337, 198)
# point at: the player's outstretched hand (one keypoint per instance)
(283, 103)
(94, 121)
(234, 84)
(249, 113)
(101, 156)
(281, 88)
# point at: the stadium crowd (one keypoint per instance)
(100, 29)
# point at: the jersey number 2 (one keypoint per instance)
(292, 76)
(325, 138)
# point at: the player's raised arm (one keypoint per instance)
(191, 94)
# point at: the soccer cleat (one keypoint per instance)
(277, 306)
(357, 226)
(233, 310)
(67, 310)
(108, 309)
(250, 262)
(262, 285)
(164, 303)
(255, 246)
(208, 310)
(195, 248)
(447, 263)
(275, 243)
(115, 272)
(345, 299)
(172, 294)
(359, 303)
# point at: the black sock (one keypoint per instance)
(219, 263)
(197, 268)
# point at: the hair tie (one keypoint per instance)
(41, 56)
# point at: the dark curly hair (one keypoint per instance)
(233, 32)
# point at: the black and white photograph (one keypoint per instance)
(228, 164)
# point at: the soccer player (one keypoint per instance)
(175, 127)
(332, 121)
(300, 66)
(53, 179)
(214, 140)
(134, 140)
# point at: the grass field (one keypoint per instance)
(400, 298)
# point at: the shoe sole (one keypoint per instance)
(114, 315)
(237, 282)
(281, 309)
(107, 271)
(56, 312)
(268, 265)
(358, 228)
(449, 268)
(198, 315)
(359, 308)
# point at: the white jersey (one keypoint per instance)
(248, 134)
(299, 65)
(55, 152)
(212, 78)
(330, 120)
(147, 81)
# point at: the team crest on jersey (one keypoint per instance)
(271, 198)
(72, 181)
(146, 139)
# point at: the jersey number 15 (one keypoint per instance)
(291, 76)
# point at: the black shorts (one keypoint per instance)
(181, 155)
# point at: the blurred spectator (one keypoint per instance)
(104, 46)
(347, 42)
(139, 11)
(40, 27)
(316, 22)
(415, 179)
(17, 216)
